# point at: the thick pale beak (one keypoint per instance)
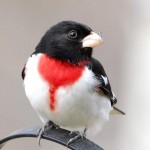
(92, 40)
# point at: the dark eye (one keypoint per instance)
(72, 34)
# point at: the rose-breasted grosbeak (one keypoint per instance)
(64, 83)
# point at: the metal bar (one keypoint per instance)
(60, 136)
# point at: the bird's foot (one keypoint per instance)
(49, 125)
(77, 136)
(74, 132)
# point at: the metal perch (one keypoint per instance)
(60, 136)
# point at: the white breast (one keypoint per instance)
(77, 106)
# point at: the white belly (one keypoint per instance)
(77, 106)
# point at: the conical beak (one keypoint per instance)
(92, 40)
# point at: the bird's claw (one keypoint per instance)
(74, 132)
(39, 135)
(72, 140)
(76, 137)
(45, 128)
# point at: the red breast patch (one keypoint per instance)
(58, 73)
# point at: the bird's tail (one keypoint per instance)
(117, 111)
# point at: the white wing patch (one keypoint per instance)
(105, 79)
(114, 97)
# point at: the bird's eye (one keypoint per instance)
(72, 34)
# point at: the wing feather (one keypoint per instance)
(104, 87)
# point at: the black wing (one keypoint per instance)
(104, 87)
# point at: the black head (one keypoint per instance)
(64, 41)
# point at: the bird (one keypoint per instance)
(65, 84)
